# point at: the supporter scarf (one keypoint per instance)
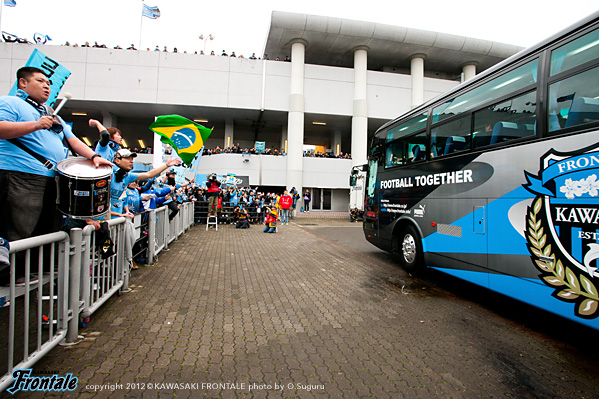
(25, 97)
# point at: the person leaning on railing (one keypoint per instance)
(121, 177)
(32, 142)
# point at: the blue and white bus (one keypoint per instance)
(497, 181)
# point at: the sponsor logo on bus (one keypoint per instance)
(419, 212)
(563, 227)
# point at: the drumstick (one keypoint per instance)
(67, 96)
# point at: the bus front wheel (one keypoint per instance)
(409, 249)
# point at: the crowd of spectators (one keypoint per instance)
(14, 39)
(157, 192)
(175, 50)
(318, 154)
(237, 149)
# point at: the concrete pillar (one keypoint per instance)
(359, 126)
(417, 72)
(229, 131)
(469, 71)
(295, 123)
(336, 142)
(109, 119)
(283, 140)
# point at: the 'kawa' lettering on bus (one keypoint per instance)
(576, 215)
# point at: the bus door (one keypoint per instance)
(371, 202)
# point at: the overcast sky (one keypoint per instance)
(242, 26)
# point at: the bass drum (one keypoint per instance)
(83, 190)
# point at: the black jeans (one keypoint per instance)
(174, 208)
(27, 205)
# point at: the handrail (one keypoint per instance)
(78, 283)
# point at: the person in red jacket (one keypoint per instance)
(213, 191)
(285, 203)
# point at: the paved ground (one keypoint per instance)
(316, 311)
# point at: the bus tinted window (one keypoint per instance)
(404, 151)
(498, 87)
(407, 127)
(416, 147)
(579, 51)
(574, 101)
(511, 119)
(395, 154)
(451, 137)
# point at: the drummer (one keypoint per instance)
(110, 140)
(31, 144)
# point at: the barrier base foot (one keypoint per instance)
(65, 343)
(125, 291)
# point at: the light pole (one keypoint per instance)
(205, 39)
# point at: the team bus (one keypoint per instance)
(497, 181)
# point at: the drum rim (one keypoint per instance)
(79, 159)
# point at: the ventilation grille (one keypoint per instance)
(449, 230)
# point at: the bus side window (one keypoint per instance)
(574, 101)
(451, 137)
(395, 154)
(575, 53)
(416, 146)
(509, 120)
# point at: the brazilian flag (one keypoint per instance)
(185, 136)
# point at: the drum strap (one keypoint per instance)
(34, 154)
(43, 109)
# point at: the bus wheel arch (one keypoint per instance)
(407, 245)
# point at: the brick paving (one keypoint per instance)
(240, 313)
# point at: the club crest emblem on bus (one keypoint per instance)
(563, 227)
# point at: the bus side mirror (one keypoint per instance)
(352, 180)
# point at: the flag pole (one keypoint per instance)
(1, 5)
(141, 23)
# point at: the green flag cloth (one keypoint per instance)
(185, 136)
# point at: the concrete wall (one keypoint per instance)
(186, 79)
(270, 170)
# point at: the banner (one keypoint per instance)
(260, 146)
(56, 73)
(230, 180)
(40, 38)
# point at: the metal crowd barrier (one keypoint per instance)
(71, 283)
(102, 278)
(37, 311)
(226, 215)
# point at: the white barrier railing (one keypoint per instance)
(72, 282)
(49, 310)
(101, 278)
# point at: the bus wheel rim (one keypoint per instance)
(408, 248)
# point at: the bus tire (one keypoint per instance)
(409, 249)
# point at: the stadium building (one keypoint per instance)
(345, 79)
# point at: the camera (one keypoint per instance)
(56, 127)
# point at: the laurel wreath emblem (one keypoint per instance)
(568, 286)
